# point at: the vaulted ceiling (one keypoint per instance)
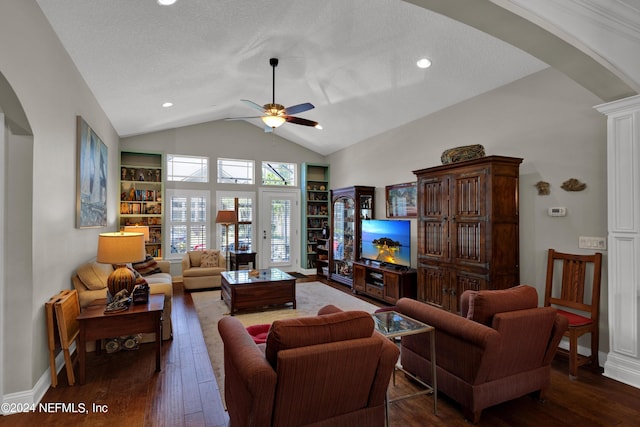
(354, 60)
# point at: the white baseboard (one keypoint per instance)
(35, 395)
(623, 369)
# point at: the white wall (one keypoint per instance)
(52, 93)
(546, 119)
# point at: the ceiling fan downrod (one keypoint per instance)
(274, 63)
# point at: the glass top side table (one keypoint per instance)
(392, 324)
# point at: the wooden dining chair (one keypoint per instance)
(67, 310)
(569, 293)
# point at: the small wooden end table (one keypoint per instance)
(238, 258)
(392, 324)
(241, 290)
(95, 325)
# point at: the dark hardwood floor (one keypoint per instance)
(185, 392)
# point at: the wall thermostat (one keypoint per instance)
(557, 211)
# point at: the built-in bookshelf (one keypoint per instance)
(314, 184)
(142, 195)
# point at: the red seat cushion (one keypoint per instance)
(575, 319)
(259, 332)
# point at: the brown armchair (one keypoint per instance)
(499, 349)
(325, 370)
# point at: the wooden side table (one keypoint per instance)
(138, 318)
(238, 258)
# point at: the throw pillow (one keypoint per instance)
(209, 259)
(139, 280)
(147, 267)
(94, 275)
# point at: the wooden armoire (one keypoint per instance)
(467, 229)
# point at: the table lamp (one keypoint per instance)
(118, 249)
(226, 218)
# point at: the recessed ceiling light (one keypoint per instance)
(166, 2)
(424, 63)
(167, 104)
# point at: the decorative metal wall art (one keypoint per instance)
(573, 184)
(543, 188)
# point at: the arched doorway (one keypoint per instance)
(14, 129)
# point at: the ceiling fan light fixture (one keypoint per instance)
(318, 126)
(273, 121)
(166, 2)
(423, 63)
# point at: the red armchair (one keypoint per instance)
(499, 349)
(321, 371)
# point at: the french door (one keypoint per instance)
(279, 229)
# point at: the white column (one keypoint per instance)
(623, 185)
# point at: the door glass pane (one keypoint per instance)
(280, 231)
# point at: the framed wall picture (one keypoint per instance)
(91, 180)
(402, 200)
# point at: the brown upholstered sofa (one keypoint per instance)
(199, 273)
(323, 371)
(499, 349)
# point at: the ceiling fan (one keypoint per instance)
(274, 115)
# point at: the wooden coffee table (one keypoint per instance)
(95, 325)
(271, 286)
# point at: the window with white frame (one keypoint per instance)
(187, 221)
(240, 235)
(187, 168)
(235, 171)
(278, 173)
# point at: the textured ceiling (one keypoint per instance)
(354, 60)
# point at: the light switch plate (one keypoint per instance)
(585, 242)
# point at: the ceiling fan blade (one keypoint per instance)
(295, 109)
(301, 121)
(253, 105)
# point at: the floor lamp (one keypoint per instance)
(226, 218)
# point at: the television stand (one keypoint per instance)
(387, 282)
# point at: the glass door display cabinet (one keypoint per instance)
(349, 206)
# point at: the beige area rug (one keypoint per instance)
(310, 297)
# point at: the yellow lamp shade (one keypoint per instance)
(119, 249)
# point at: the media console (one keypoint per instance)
(384, 282)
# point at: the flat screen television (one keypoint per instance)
(387, 241)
